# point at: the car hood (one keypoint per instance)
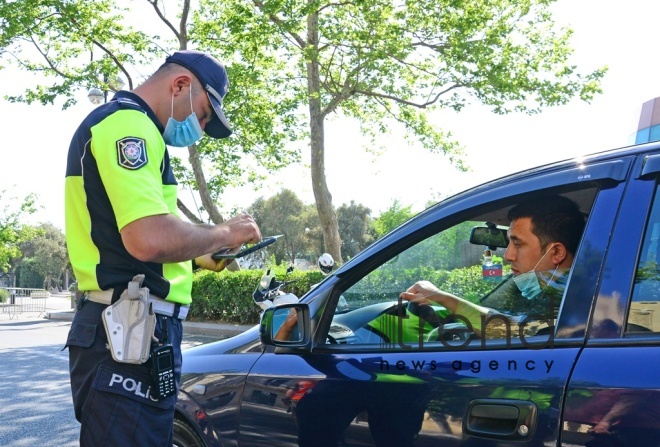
(247, 341)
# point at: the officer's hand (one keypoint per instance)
(208, 263)
(237, 231)
(242, 230)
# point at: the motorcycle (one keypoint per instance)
(269, 291)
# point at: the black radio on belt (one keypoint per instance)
(162, 371)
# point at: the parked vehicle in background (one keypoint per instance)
(362, 368)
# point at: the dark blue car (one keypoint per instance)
(362, 368)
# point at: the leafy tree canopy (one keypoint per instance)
(45, 257)
(12, 231)
(282, 214)
(381, 62)
(394, 216)
(355, 228)
(77, 45)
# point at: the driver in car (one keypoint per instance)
(544, 234)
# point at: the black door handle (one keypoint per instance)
(500, 418)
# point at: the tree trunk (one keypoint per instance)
(202, 187)
(205, 195)
(193, 155)
(322, 195)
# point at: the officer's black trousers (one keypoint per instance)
(113, 401)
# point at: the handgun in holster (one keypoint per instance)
(129, 324)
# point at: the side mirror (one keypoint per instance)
(286, 325)
(490, 236)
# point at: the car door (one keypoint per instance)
(613, 395)
(375, 373)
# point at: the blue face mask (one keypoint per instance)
(528, 282)
(182, 133)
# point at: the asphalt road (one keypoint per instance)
(35, 397)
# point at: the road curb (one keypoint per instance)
(189, 327)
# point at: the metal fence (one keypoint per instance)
(24, 300)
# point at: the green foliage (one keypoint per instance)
(57, 37)
(283, 214)
(227, 296)
(4, 294)
(386, 283)
(355, 228)
(44, 259)
(12, 231)
(647, 271)
(75, 45)
(395, 215)
(467, 283)
(28, 274)
(440, 251)
(376, 61)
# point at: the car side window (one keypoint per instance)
(445, 259)
(371, 311)
(644, 313)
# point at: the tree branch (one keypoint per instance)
(48, 61)
(389, 110)
(421, 42)
(111, 55)
(331, 5)
(186, 212)
(405, 102)
(162, 17)
(183, 32)
(346, 92)
(280, 23)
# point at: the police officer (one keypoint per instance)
(121, 221)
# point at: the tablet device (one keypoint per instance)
(247, 249)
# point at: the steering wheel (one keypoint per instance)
(423, 311)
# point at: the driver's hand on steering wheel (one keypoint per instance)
(420, 292)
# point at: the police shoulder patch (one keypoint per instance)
(131, 153)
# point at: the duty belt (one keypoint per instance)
(159, 305)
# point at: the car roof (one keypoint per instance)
(583, 197)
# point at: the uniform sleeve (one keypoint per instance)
(129, 152)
